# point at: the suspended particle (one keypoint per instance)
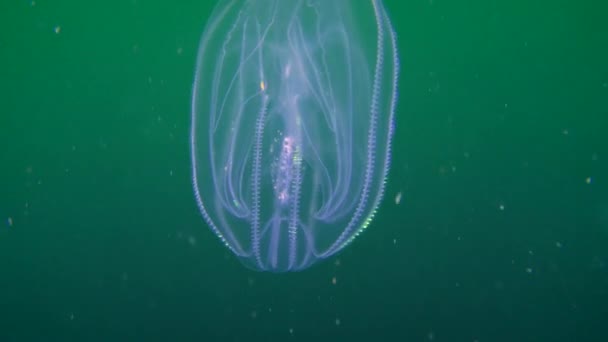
(398, 198)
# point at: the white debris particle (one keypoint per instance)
(501, 207)
(588, 180)
(529, 270)
(10, 221)
(558, 244)
(337, 322)
(398, 198)
(57, 29)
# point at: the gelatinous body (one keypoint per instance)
(292, 119)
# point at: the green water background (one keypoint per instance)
(500, 157)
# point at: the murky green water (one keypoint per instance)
(499, 169)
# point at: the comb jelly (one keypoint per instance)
(292, 117)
